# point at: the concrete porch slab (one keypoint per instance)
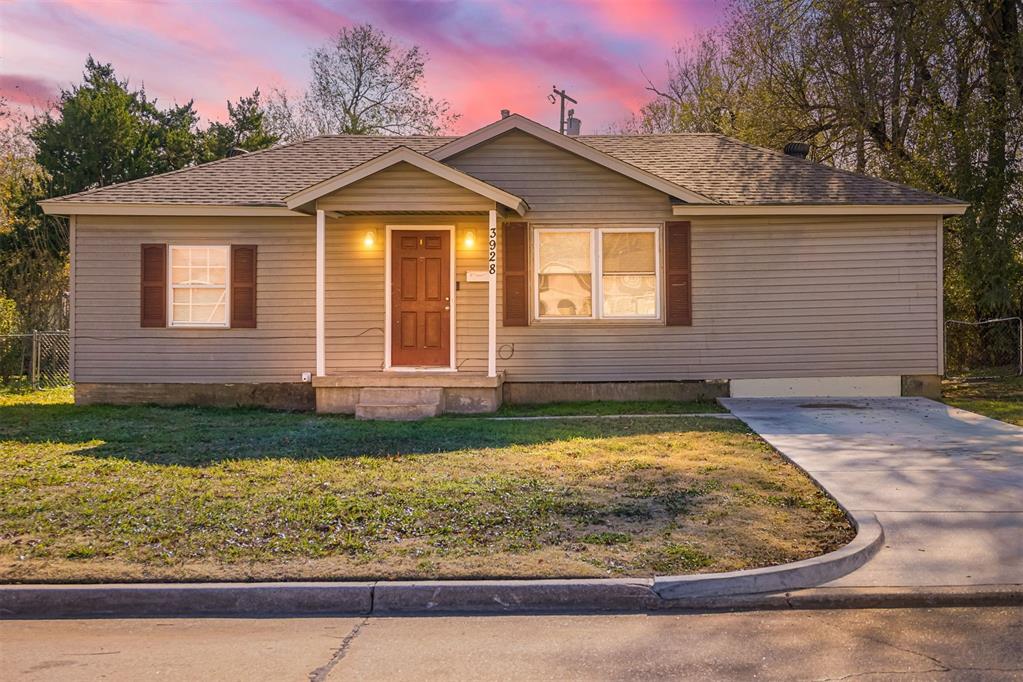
(409, 379)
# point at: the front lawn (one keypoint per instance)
(148, 493)
(996, 398)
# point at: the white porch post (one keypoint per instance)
(321, 280)
(492, 296)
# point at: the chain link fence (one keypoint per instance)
(39, 359)
(987, 349)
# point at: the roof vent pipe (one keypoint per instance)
(798, 149)
(505, 113)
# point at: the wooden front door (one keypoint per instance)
(420, 298)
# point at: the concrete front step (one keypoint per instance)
(401, 396)
(402, 412)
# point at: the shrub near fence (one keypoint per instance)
(984, 350)
(39, 359)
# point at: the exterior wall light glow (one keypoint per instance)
(469, 239)
(370, 239)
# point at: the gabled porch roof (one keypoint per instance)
(305, 200)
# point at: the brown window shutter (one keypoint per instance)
(679, 276)
(516, 297)
(154, 285)
(243, 286)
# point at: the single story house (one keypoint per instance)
(402, 276)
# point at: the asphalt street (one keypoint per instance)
(907, 644)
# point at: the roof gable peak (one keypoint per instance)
(569, 144)
(300, 200)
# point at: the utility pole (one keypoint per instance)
(563, 96)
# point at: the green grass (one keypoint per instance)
(996, 398)
(150, 493)
(596, 407)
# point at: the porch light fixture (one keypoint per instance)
(469, 239)
(370, 239)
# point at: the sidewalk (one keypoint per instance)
(945, 484)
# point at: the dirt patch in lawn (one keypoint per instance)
(147, 493)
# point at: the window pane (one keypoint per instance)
(628, 252)
(179, 312)
(564, 252)
(179, 257)
(199, 256)
(199, 265)
(208, 314)
(630, 295)
(218, 275)
(206, 296)
(179, 274)
(565, 295)
(218, 256)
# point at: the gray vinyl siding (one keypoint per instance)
(792, 297)
(772, 296)
(558, 186)
(403, 187)
(111, 346)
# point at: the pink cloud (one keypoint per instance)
(484, 56)
(308, 17)
(27, 90)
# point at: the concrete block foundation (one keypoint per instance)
(278, 396)
(557, 392)
(922, 385)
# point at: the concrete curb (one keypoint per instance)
(739, 589)
(183, 599)
(797, 575)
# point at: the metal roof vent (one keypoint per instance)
(798, 149)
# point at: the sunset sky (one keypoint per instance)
(484, 56)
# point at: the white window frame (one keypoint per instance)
(226, 324)
(658, 284)
(597, 276)
(536, 273)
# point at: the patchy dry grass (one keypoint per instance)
(996, 398)
(148, 493)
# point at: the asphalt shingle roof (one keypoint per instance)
(721, 168)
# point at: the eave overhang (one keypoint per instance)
(819, 209)
(69, 208)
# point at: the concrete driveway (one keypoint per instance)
(946, 484)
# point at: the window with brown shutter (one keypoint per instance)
(154, 285)
(243, 286)
(678, 278)
(516, 298)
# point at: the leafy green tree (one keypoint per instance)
(246, 129)
(102, 132)
(924, 93)
(97, 133)
(33, 247)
